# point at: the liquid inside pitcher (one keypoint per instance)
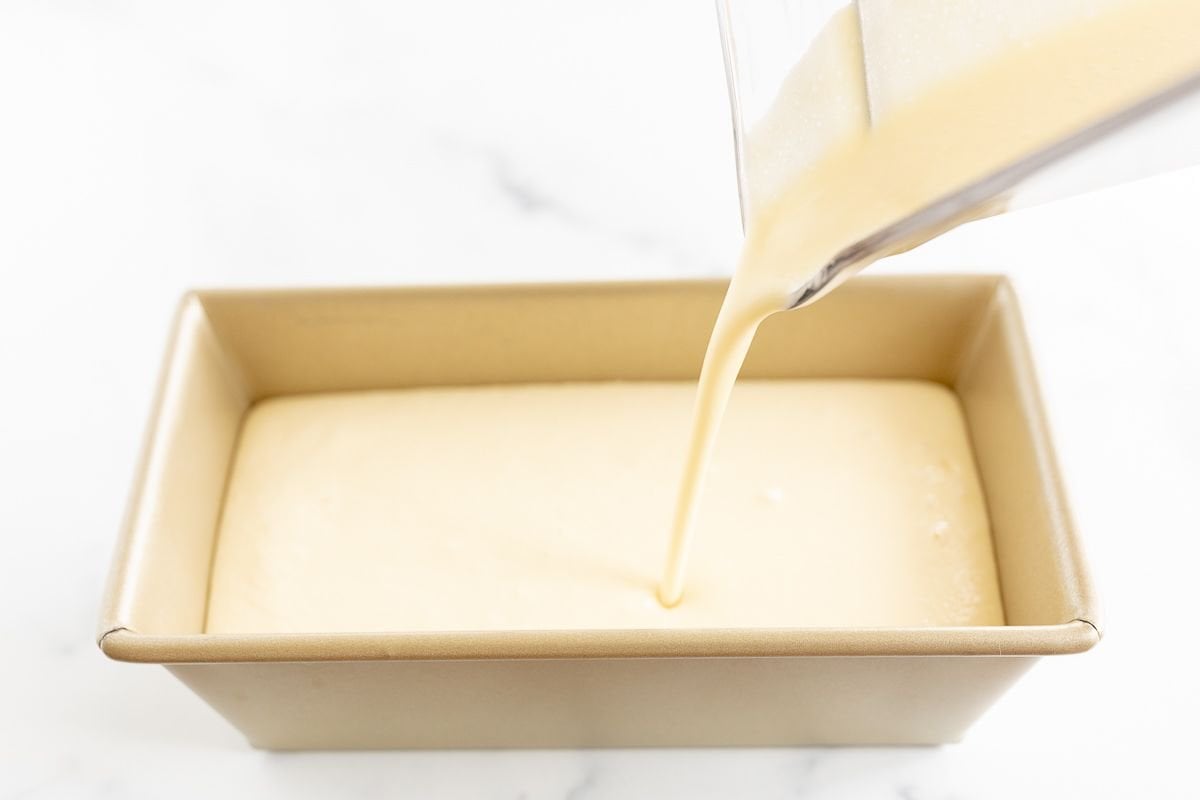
(805, 74)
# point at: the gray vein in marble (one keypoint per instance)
(806, 764)
(527, 197)
(523, 195)
(907, 792)
(583, 787)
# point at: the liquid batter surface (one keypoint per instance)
(830, 503)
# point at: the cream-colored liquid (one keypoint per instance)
(543, 506)
(931, 137)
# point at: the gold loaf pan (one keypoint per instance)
(566, 688)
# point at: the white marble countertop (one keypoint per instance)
(148, 147)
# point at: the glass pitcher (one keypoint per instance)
(857, 67)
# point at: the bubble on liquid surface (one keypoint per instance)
(772, 495)
(939, 529)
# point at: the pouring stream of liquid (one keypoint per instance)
(954, 134)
